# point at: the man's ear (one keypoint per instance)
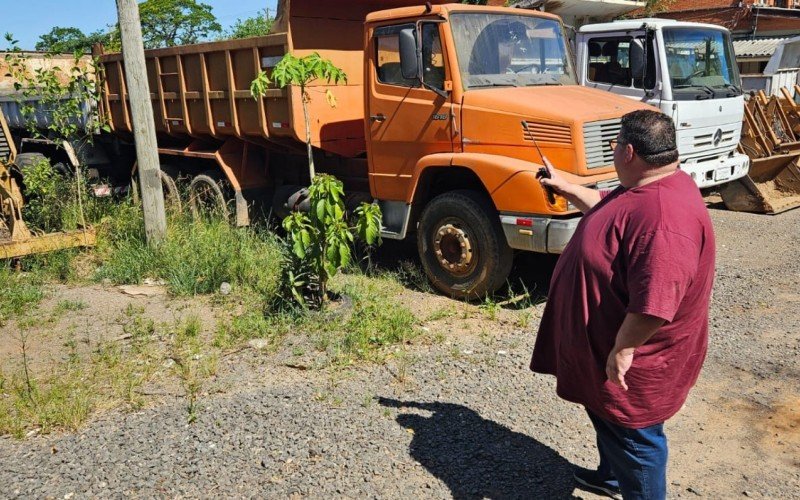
(629, 153)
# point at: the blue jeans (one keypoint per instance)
(635, 460)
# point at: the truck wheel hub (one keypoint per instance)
(453, 249)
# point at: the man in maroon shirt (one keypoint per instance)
(625, 327)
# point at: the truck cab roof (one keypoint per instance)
(415, 9)
(634, 24)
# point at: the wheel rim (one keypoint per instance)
(453, 249)
(206, 200)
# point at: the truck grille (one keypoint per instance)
(596, 139)
(547, 132)
(707, 140)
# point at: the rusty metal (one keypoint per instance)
(771, 138)
(20, 241)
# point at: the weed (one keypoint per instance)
(369, 400)
(252, 324)
(196, 258)
(411, 275)
(447, 311)
(376, 320)
(21, 292)
(67, 305)
(403, 361)
(490, 308)
(192, 365)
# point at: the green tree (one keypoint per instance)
(319, 242)
(69, 40)
(257, 25)
(300, 71)
(166, 23)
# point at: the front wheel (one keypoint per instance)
(462, 246)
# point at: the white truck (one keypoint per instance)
(688, 71)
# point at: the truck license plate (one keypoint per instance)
(722, 173)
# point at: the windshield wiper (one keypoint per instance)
(493, 85)
(709, 92)
(733, 88)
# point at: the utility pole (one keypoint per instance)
(144, 131)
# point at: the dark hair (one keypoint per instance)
(652, 135)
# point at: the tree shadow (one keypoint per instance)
(479, 458)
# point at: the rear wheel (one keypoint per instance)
(462, 246)
(172, 195)
(209, 195)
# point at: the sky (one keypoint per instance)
(28, 19)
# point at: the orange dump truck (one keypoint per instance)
(438, 123)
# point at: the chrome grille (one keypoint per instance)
(596, 139)
(707, 140)
(547, 132)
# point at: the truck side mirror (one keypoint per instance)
(409, 59)
(637, 59)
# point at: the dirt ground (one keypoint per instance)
(738, 434)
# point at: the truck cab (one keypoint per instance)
(462, 102)
(688, 71)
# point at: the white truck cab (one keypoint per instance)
(688, 71)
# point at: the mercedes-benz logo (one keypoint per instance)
(717, 137)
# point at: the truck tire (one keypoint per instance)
(172, 195)
(25, 160)
(209, 195)
(462, 246)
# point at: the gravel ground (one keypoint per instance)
(461, 418)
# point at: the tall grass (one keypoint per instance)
(196, 257)
(21, 291)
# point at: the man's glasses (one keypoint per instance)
(613, 143)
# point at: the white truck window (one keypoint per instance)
(609, 61)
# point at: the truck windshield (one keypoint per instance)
(701, 64)
(501, 50)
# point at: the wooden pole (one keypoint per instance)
(144, 131)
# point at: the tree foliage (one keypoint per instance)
(67, 95)
(301, 71)
(166, 23)
(258, 25)
(69, 40)
(320, 242)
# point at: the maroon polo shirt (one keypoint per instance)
(647, 250)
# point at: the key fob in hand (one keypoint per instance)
(544, 173)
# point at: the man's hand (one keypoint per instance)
(582, 197)
(618, 364)
(556, 182)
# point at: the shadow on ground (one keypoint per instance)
(479, 458)
(530, 275)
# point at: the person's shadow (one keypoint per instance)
(479, 458)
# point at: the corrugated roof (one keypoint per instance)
(763, 47)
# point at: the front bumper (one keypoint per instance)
(538, 234)
(716, 171)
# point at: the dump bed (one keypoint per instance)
(202, 91)
(11, 100)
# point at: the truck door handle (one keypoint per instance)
(378, 118)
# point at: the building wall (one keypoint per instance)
(739, 17)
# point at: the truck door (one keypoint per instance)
(406, 120)
(606, 65)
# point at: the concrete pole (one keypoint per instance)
(144, 131)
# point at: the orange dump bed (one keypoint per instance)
(203, 90)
